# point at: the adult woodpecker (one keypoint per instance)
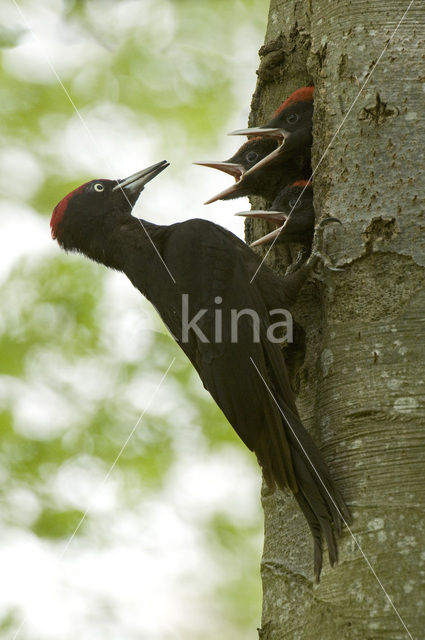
(265, 182)
(291, 125)
(208, 267)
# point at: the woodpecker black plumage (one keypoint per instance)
(265, 182)
(245, 376)
(292, 212)
(291, 125)
(278, 153)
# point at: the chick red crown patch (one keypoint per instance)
(305, 94)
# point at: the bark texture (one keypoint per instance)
(362, 347)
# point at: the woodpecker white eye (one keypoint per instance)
(99, 187)
(292, 118)
(294, 204)
(251, 156)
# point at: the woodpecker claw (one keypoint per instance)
(328, 220)
(334, 268)
(314, 259)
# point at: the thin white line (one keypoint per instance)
(334, 503)
(130, 435)
(105, 479)
(18, 631)
(336, 132)
(89, 133)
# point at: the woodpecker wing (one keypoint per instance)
(246, 376)
(216, 279)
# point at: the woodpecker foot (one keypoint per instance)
(314, 260)
(301, 259)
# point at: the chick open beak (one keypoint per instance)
(273, 132)
(269, 237)
(225, 193)
(232, 168)
(277, 217)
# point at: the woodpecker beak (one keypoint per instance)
(267, 132)
(135, 183)
(272, 132)
(269, 237)
(277, 217)
(223, 194)
(274, 154)
(233, 169)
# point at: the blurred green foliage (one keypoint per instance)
(65, 384)
(57, 524)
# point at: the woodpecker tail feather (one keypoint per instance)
(274, 456)
(318, 497)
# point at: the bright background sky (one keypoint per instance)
(171, 544)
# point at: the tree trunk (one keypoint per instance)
(360, 384)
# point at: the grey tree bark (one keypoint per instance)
(361, 382)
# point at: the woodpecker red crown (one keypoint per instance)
(301, 183)
(305, 94)
(59, 210)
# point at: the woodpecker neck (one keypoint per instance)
(268, 181)
(120, 242)
(135, 249)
